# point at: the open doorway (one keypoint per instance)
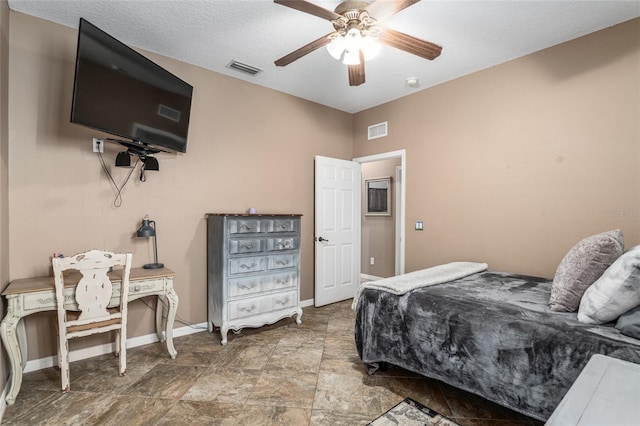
(382, 234)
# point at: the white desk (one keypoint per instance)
(607, 392)
(30, 295)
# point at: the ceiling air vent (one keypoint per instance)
(377, 130)
(247, 69)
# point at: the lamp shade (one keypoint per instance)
(146, 230)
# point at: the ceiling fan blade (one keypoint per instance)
(310, 8)
(383, 9)
(356, 72)
(304, 50)
(410, 44)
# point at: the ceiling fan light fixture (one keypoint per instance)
(370, 48)
(351, 57)
(353, 38)
(358, 35)
(336, 47)
(352, 46)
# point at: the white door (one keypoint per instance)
(337, 229)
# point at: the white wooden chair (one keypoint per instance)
(91, 311)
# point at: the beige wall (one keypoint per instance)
(510, 165)
(514, 164)
(248, 147)
(378, 232)
(4, 159)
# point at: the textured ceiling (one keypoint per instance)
(210, 33)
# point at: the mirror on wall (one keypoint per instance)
(378, 192)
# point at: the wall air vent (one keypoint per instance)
(377, 131)
(247, 69)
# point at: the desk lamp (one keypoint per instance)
(145, 231)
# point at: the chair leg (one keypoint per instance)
(59, 352)
(63, 360)
(59, 345)
(122, 342)
(117, 343)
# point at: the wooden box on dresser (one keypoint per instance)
(253, 270)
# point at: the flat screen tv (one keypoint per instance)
(119, 91)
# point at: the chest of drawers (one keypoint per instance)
(253, 270)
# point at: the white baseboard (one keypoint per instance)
(370, 277)
(307, 303)
(77, 355)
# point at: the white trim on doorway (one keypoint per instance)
(399, 185)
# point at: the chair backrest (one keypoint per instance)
(94, 290)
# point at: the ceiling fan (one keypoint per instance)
(357, 33)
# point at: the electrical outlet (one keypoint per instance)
(98, 145)
(372, 261)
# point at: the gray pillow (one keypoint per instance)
(629, 323)
(582, 266)
(615, 292)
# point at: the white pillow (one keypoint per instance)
(615, 292)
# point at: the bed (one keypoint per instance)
(490, 333)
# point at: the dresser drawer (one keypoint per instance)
(244, 226)
(281, 225)
(279, 261)
(246, 308)
(247, 286)
(284, 243)
(259, 305)
(247, 264)
(282, 281)
(281, 301)
(245, 245)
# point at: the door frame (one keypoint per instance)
(399, 185)
(402, 154)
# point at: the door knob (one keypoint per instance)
(322, 239)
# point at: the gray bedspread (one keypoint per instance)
(491, 334)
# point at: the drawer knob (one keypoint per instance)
(282, 301)
(285, 244)
(247, 309)
(246, 266)
(248, 246)
(283, 261)
(246, 286)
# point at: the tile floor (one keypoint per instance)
(282, 374)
